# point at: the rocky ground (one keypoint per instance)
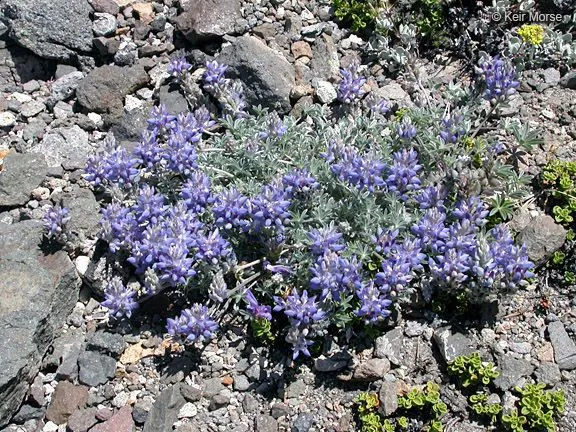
(71, 72)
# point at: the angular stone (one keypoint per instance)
(104, 89)
(67, 399)
(165, 410)
(32, 108)
(65, 146)
(104, 24)
(21, 174)
(267, 76)
(452, 345)
(548, 373)
(84, 212)
(333, 363)
(38, 290)
(265, 423)
(388, 398)
(120, 422)
(324, 64)
(207, 19)
(95, 369)
(105, 6)
(52, 29)
(511, 371)
(106, 342)
(542, 237)
(564, 346)
(301, 49)
(82, 420)
(7, 119)
(390, 346)
(371, 370)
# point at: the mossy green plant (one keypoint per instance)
(472, 371)
(560, 179)
(540, 407)
(359, 14)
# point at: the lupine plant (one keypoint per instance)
(301, 225)
(55, 220)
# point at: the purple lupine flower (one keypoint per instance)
(451, 129)
(174, 266)
(471, 210)
(396, 272)
(274, 127)
(280, 269)
(180, 154)
(178, 66)
(374, 302)
(231, 210)
(188, 127)
(148, 150)
(146, 250)
(406, 130)
(118, 226)
(233, 101)
(203, 119)
(196, 192)
(55, 220)
(296, 336)
(452, 267)
(497, 148)
(325, 240)
(182, 224)
(350, 87)
(213, 77)
(361, 171)
(119, 299)
(212, 248)
(256, 309)
(160, 119)
(431, 196)
(411, 251)
(300, 309)
(194, 324)
(377, 106)
(334, 275)
(269, 209)
(403, 174)
(385, 240)
(431, 229)
(149, 205)
(512, 260)
(113, 166)
(499, 77)
(299, 181)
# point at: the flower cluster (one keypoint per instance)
(229, 94)
(350, 88)
(193, 325)
(499, 78)
(178, 66)
(119, 299)
(55, 220)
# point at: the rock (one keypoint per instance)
(371, 370)
(141, 410)
(67, 349)
(548, 373)
(188, 410)
(62, 110)
(295, 389)
(333, 363)
(267, 76)
(390, 346)
(325, 91)
(66, 399)
(144, 11)
(104, 89)
(392, 92)
(241, 383)
(250, 403)
(279, 409)
(27, 412)
(303, 422)
(542, 237)
(551, 76)
(265, 423)
(52, 29)
(64, 146)
(31, 86)
(7, 119)
(301, 49)
(84, 213)
(21, 173)
(564, 347)
(324, 64)
(32, 108)
(511, 371)
(120, 422)
(82, 420)
(37, 292)
(133, 122)
(165, 410)
(203, 20)
(104, 24)
(265, 31)
(388, 398)
(95, 369)
(218, 401)
(106, 342)
(569, 80)
(452, 345)
(190, 393)
(105, 6)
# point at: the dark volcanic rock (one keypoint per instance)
(20, 175)
(267, 76)
(542, 237)
(207, 19)
(37, 292)
(165, 410)
(104, 89)
(67, 398)
(95, 369)
(53, 29)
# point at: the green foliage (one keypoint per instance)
(427, 400)
(514, 422)
(480, 406)
(570, 278)
(472, 371)
(558, 257)
(359, 14)
(501, 208)
(370, 420)
(560, 179)
(262, 330)
(540, 407)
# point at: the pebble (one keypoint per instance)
(32, 108)
(188, 410)
(104, 25)
(7, 119)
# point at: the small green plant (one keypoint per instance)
(472, 371)
(558, 257)
(540, 407)
(262, 330)
(570, 278)
(370, 419)
(514, 422)
(480, 406)
(560, 178)
(426, 399)
(359, 14)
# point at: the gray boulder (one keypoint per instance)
(542, 237)
(104, 89)
(37, 292)
(52, 29)
(202, 20)
(20, 175)
(267, 76)
(165, 410)
(64, 146)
